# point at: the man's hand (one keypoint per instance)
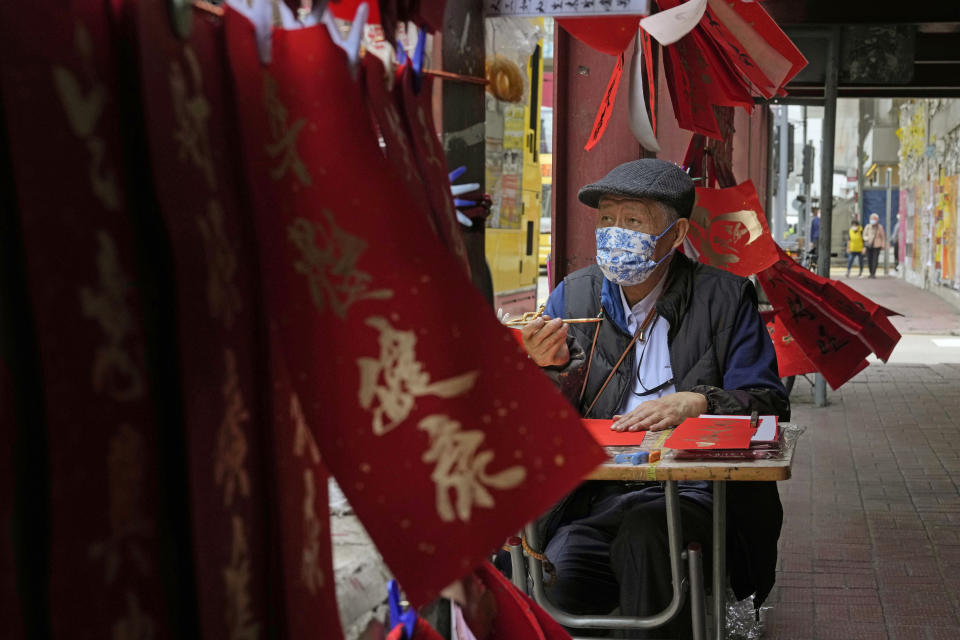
(546, 342)
(662, 413)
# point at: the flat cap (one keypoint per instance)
(648, 178)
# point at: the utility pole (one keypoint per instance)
(826, 178)
(780, 215)
(886, 227)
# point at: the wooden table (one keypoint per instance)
(670, 472)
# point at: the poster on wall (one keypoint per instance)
(948, 257)
(918, 203)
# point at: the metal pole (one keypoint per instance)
(780, 215)
(697, 598)
(719, 560)
(886, 227)
(826, 180)
(806, 212)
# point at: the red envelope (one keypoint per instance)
(711, 433)
(443, 435)
(729, 230)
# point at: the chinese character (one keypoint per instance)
(192, 113)
(829, 344)
(236, 578)
(84, 109)
(311, 572)
(462, 469)
(303, 441)
(284, 145)
(125, 462)
(797, 309)
(223, 298)
(331, 265)
(390, 386)
(229, 469)
(114, 371)
(136, 624)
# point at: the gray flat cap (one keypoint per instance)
(648, 178)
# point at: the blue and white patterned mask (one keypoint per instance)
(626, 257)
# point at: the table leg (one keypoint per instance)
(719, 560)
(697, 600)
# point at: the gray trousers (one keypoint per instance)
(618, 556)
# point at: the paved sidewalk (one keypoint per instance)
(871, 544)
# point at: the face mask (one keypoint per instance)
(874, 222)
(626, 257)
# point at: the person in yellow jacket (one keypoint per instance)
(855, 246)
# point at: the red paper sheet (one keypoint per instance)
(600, 430)
(711, 433)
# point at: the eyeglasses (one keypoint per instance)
(658, 388)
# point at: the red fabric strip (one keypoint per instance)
(604, 112)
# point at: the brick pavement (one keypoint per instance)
(871, 547)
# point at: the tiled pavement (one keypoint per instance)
(871, 540)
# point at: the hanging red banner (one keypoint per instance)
(791, 360)
(692, 104)
(10, 604)
(58, 86)
(302, 508)
(193, 164)
(403, 374)
(754, 43)
(418, 117)
(604, 112)
(836, 353)
(728, 228)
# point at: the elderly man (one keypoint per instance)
(677, 339)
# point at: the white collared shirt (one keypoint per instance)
(653, 354)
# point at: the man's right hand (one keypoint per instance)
(546, 342)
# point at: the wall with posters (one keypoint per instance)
(929, 168)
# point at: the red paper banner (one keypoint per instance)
(518, 617)
(728, 228)
(10, 611)
(418, 112)
(302, 506)
(187, 118)
(692, 104)
(837, 354)
(791, 360)
(608, 34)
(602, 120)
(443, 435)
(57, 82)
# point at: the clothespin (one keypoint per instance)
(260, 13)
(418, 55)
(350, 44)
(461, 189)
(407, 618)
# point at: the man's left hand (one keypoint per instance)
(662, 413)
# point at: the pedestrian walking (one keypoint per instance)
(855, 246)
(875, 241)
(895, 241)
